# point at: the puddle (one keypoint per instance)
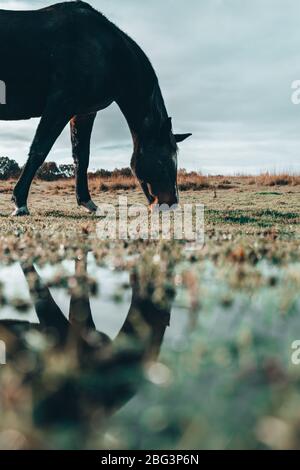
(109, 307)
(111, 358)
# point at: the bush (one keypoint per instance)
(125, 172)
(101, 174)
(49, 171)
(116, 173)
(9, 168)
(67, 171)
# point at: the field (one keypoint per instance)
(167, 347)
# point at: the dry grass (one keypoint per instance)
(282, 179)
(187, 181)
(116, 184)
(192, 181)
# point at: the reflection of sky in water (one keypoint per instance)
(15, 286)
(228, 356)
(108, 314)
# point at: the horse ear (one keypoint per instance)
(181, 137)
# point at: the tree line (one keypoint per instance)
(50, 171)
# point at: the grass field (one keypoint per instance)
(223, 377)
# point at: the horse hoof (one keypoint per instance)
(20, 211)
(90, 207)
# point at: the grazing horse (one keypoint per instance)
(64, 63)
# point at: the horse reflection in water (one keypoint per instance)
(107, 373)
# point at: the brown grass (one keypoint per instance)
(282, 179)
(187, 181)
(118, 183)
(192, 181)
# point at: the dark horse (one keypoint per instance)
(66, 62)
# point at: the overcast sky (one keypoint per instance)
(225, 69)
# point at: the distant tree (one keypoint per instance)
(126, 172)
(102, 173)
(49, 171)
(8, 168)
(67, 171)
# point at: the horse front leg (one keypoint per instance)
(81, 131)
(52, 320)
(80, 314)
(52, 123)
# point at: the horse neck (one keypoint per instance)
(144, 106)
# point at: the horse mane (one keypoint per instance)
(159, 115)
(157, 105)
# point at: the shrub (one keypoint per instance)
(67, 171)
(124, 172)
(49, 171)
(116, 173)
(283, 179)
(9, 168)
(101, 174)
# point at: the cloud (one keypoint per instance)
(225, 68)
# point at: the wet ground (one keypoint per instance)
(158, 355)
(139, 345)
